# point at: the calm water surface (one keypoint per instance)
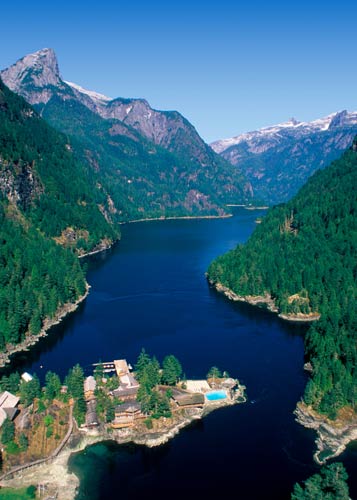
(150, 291)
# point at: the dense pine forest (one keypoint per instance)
(45, 194)
(304, 255)
(40, 173)
(329, 484)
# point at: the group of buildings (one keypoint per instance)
(126, 413)
(193, 395)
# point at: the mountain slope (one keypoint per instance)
(278, 160)
(304, 255)
(40, 175)
(169, 168)
(43, 191)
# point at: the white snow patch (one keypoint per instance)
(90, 93)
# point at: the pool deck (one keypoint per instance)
(231, 388)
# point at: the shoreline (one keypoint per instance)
(249, 207)
(70, 307)
(48, 323)
(64, 484)
(332, 436)
(184, 217)
(102, 248)
(60, 314)
(263, 207)
(267, 301)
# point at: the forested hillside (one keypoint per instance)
(36, 277)
(45, 195)
(304, 254)
(143, 179)
(41, 176)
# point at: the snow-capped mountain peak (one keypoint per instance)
(291, 127)
(90, 93)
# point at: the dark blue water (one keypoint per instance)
(150, 291)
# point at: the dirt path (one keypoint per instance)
(53, 455)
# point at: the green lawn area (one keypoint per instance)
(18, 494)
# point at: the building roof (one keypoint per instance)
(128, 407)
(90, 384)
(3, 416)
(91, 418)
(8, 400)
(186, 399)
(197, 386)
(121, 366)
(11, 412)
(121, 392)
(128, 380)
(26, 377)
(91, 414)
(128, 386)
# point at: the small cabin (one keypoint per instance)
(89, 387)
(127, 414)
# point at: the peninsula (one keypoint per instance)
(147, 406)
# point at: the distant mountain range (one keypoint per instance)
(278, 160)
(153, 163)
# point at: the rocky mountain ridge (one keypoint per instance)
(292, 128)
(277, 160)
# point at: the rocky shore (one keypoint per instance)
(265, 301)
(31, 340)
(62, 484)
(104, 244)
(332, 436)
(255, 300)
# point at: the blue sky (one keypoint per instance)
(229, 67)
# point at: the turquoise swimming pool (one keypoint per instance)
(215, 395)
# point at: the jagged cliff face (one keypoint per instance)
(278, 160)
(36, 77)
(33, 76)
(19, 183)
(168, 129)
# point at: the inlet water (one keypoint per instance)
(150, 291)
